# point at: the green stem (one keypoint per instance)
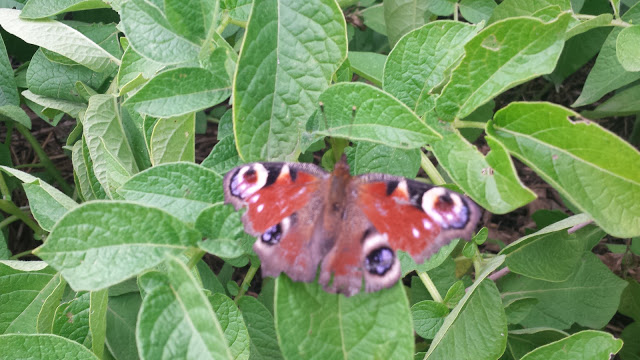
(614, 22)
(44, 159)
(242, 24)
(7, 140)
(28, 166)
(4, 189)
(431, 170)
(195, 258)
(11, 208)
(19, 255)
(431, 287)
(247, 280)
(634, 138)
(4, 223)
(469, 124)
(455, 11)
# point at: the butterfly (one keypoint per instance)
(350, 226)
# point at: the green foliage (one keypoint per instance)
(121, 274)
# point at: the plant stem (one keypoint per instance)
(195, 258)
(247, 280)
(455, 11)
(4, 223)
(44, 159)
(11, 208)
(23, 166)
(431, 170)
(19, 255)
(4, 189)
(431, 287)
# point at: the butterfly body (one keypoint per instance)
(351, 227)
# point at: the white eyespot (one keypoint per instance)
(240, 185)
(446, 219)
(254, 199)
(402, 188)
(260, 208)
(415, 232)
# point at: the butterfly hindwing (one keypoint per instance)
(282, 201)
(419, 218)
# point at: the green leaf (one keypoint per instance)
(122, 313)
(402, 16)
(70, 107)
(627, 50)
(135, 69)
(181, 189)
(550, 254)
(310, 321)
(261, 329)
(373, 18)
(179, 310)
(418, 62)
(428, 317)
(588, 344)
(479, 312)
(93, 254)
(408, 264)
(519, 309)
(152, 35)
(37, 9)
(47, 203)
(579, 159)
(623, 103)
(503, 55)
(8, 87)
(90, 187)
(25, 289)
(60, 38)
(232, 323)
(290, 52)
(476, 11)
(598, 21)
(607, 73)
(238, 9)
(377, 117)
(490, 180)
(180, 91)
(72, 320)
(173, 139)
(589, 297)
(630, 336)
(442, 7)
(25, 346)
(629, 304)
(578, 51)
(367, 158)
(98, 320)
(522, 341)
(15, 113)
(223, 156)
(515, 8)
(191, 19)
(368, 65)
(107, 142)
(222, 226)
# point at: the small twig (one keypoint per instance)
(247, 281)
(579, 226)
(431, 170)
(431, 287)
(44, 159)
(11, 208)
(498, 274)
(19, 255)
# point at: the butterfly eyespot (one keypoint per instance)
(272, 236)
(250, 176)
(379, 261)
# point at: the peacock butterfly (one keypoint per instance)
(352, 227)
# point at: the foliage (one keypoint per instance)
(120, 272)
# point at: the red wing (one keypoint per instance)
(418, 218)
(271, 191)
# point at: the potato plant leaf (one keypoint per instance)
(282, 69)
(92, 253)
(593, 168)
